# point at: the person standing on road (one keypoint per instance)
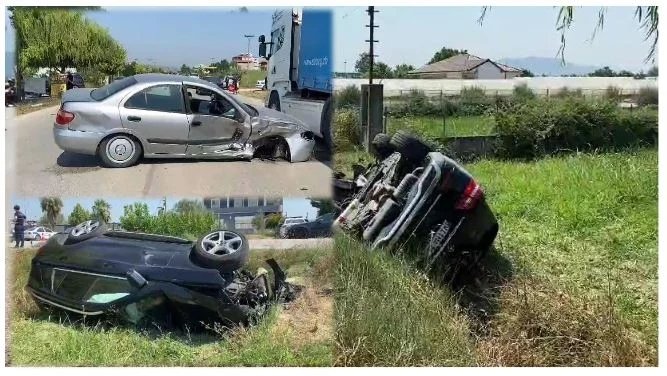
(19, 226)
(70, 81)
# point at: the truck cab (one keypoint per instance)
(299, 78)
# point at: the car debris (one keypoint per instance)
(415, 197)
(145, 279)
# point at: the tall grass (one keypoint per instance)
(581, 234)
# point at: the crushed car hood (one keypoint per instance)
(269, 119)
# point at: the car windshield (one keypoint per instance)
(108, 90)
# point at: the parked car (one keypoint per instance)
(413, 195)
(147, 279)
(320, 227)
(261, 84)
(154, 118)
(287, 222)
(10, 94)
(38, 233)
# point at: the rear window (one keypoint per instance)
(108, 90)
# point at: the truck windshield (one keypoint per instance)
(277, 39)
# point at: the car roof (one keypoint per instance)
(162, 77)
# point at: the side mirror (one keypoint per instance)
(261, 39)
(262, 50)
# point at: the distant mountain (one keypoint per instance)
(549, 66)
(10, 62)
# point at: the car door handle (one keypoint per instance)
(134, 118)
(196, 123)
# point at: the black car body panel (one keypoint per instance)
(142, 276)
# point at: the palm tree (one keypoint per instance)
(101, 210)
(52, 207)
(646, 16)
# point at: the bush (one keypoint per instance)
(187, 225)
(647, 96)
(613, 93)
(565, 92)
(350, 96)
(346, 129)
(523, 92)
(544, 126)
(272, 220)
(473, 101)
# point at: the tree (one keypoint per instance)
(363, 63)
(51, 207)
(59, 38)
(647, 16)
(445, 53)
(603, 72)
(44, 220)
(653, 72)
(526, 73)
(101, 210)
(185, 70)
(402, 70)
(189, 206)
(323, 206)
(78, 215)
(382, 70)
(135, 217)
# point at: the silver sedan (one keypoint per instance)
(171, 116)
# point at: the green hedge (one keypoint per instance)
(136, 217)
(532, 128)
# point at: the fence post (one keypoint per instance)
(384, 122)
(547, 92)
(442, 111)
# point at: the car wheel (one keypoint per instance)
(86, 230)
(381, 146)
(119, 151)
(224, 250)
(326, 123)
(411, 147)
(274, 101)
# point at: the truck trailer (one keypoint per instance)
(300, 79)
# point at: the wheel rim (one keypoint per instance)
(85, 228)
(222, 243)
(120, 149)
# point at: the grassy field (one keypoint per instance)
(573, 280)
(453, 126)
(249, 78)
(299, 335)
(31, 106)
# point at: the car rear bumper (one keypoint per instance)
(77, 141)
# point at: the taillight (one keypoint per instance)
(471, 195)
(64, 117)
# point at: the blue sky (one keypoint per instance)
(412, 35)
(30, 206)
(198, 35)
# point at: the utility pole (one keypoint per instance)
(249, 37)
(371, 13)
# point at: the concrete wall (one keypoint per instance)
(394, 87)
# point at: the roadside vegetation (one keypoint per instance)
(299, 334)
(573, 280)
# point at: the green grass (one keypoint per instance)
(249, 78)
(432, 126)
(343, 161)
(286, 337)
(581, 235)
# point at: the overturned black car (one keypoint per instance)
(147, 279)
(414, 197)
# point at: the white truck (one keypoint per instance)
(299, 78)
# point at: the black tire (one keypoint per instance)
(225, 263)
(382, 146)
(411, 147)
(326, 124)
(73, 239)
(274, 101)
(108, 162)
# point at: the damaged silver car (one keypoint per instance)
(172, 116)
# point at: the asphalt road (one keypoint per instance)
(35, 166)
